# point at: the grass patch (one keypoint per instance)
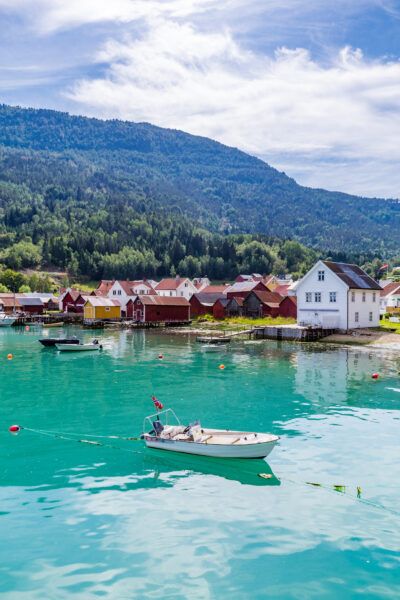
(238, 323)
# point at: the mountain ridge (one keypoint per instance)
(224, 189)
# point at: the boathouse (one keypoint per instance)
(97, 307)
(68, 301)
(160, 309)
(219, 308)
(31, 305)
(202, 304)
(262, 304)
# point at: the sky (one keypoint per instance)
(311, 87)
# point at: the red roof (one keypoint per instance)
(269, 297)
(105, 285)
(238, 300)
(215, 289)
(164, 300)
(9, 301)
(282, 290)
(390, 288)
(170, 284)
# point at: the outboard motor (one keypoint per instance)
(158, 427)
(95, 341)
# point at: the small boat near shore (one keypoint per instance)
(79, 347)
(51, 342)
(57, 324)
(214, 347)
(6, 320)
(194, 439)
(212, 340)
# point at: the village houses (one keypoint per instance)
(179, 287)
(337, 296)
(390, 298)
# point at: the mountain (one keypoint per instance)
(57, 171)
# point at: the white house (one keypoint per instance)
(178, 286)
(389, 297)
(123, 291)
(337, 296)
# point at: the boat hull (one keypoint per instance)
(7, 321)
(51, 342)
(76, 348)
(260, 450)
(58, 324)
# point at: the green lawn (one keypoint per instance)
(386, 325)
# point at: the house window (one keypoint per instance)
(114, 293)
(356, 317)
(363, 296)
(353, 296)
(332, 296)
(308, 297)
(321, 275)
(107, 309)
(317, 297)
(374, 297)
(119, 292)
(370, 317)
(186, 284)
(170, 293)
(181, 293)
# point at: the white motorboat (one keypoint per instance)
(194, 439)
(79, 347)
(6, 320)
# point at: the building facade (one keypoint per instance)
(337, 296)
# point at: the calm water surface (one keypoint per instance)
(85, 521)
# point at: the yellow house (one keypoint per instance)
(97, 307)
(271, 282)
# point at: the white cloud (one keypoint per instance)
(286, 105)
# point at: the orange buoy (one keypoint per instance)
(222, 366)
(375, 376)
(27, 328)
(9, 356)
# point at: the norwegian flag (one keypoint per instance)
(384, 267)
(157, 403)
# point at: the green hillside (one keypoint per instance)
(100, 197)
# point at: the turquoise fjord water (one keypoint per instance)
(85, 521)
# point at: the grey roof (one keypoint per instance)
(208, 299)
(30, 301)
(242, 286)
(224, 300)
(353, 276)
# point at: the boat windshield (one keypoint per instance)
(165, 417)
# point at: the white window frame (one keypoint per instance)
(317, 297)
(353, 296)
(107, 309)
(308, 296)
(321, 275)
(332, 296)
(370, 317)
(363, 296)
(356, 317)
(374, 297)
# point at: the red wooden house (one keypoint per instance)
(219, 308)
(31, 305)
(262, 304)
(288, 307)
(68, 302)
(159, 309)
(202, 304)
(80, 301)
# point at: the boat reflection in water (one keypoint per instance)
(248, 472)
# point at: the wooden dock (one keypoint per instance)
(293, 333)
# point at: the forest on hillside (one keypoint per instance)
(113, 199)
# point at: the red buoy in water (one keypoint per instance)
(14, 428)
(160, 406)
(375, 376)
(160, 356)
